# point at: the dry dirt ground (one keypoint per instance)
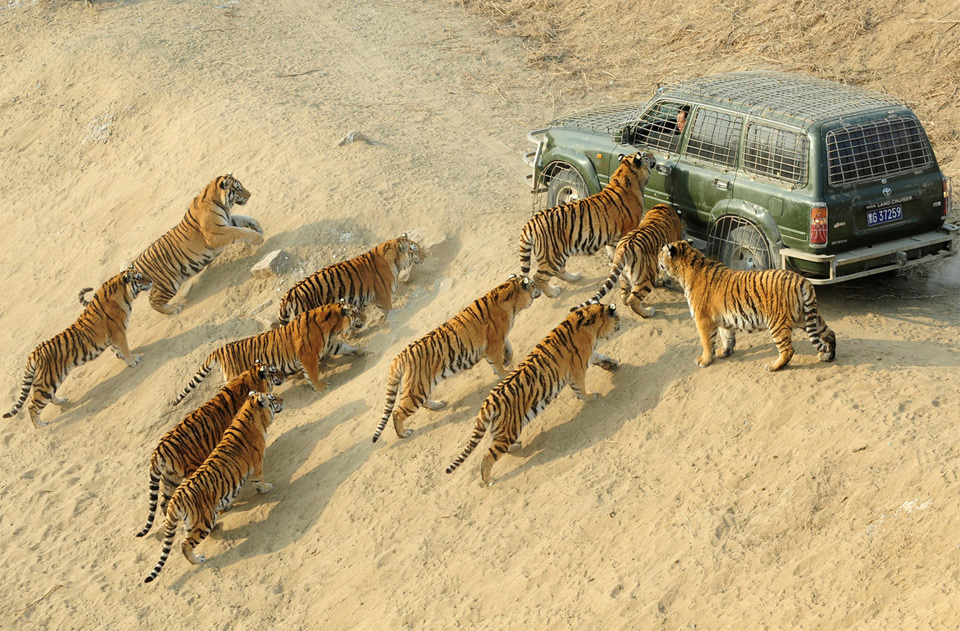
(824, 496)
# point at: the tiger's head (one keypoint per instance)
(676, 259)
(268, 373)
(270, 402)
(357, 318)
(137, 282)
(634, 171)
(604, 319)
(231, 191)
(519, 290)
(410, 252)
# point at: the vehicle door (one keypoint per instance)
(704, 175)
(657, 131)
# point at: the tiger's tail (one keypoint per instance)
(170, 529)
(526, 249)
(83, 292)
(615, 271)
(818, 332)
(484, 418)
(393, 387)
(154, 492)
(201, 374)
(25, 390)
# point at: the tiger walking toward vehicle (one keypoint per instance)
(294, 348)
(561, 358)
(726, 300)
(478, 331)
(635, 260)
(205, 230)
(186, 446)
(211, 489)
(583, 226)
(370, 277)
(102, 324)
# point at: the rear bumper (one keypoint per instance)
(882, 257)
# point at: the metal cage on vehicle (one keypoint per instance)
(559, 183)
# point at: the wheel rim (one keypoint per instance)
(567, 194)
(744, 259)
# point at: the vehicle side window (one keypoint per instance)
(658, 128)
(777, 154)
(715, 137)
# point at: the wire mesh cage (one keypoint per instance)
(739, 244)
(876, 149)
(559, 183)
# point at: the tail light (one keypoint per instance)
(818, 225)
(947, 196)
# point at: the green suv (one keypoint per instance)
(768, 170)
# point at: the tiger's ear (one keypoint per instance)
(690, 241)
(620, 158)
(612, 308)
(525, 282)
(222, 184)
(672, 249)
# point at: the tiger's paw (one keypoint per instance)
(724, 352)
(640, 310)
(136, 360)
(703, 362)
(608, 364)
(266, 487)
(201, 558)
(435, 405)
(515, 446)
(589, 396)
(827, 356)
(551, 292)
(570, 277)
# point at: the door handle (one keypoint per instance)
(664, 169)
(723, 185)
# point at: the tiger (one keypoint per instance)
(102, 324)
(294, 348)
(637, 254)
(478, 331)
(729, 300)
(213, 486)
(585, 225)
(370, 277)
(561, 358)
(186, 446)
(191, 245)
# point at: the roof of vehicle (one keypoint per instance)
(789, 98)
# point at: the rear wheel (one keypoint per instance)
(565, 186)
(745, 248)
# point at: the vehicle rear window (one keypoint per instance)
(876, 149)
(777, 154)
(715, 137)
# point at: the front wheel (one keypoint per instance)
(565, 186)
(745, 248)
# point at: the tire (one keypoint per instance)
(565, 186)
(745, 248)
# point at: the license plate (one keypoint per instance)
(884, 215)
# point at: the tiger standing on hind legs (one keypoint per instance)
(102, 324)
(200, 499)
(561, 358)
(191, 245)
(478, 331)
(726, 300)
(583, 226)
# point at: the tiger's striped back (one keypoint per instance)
(584, 226)
(561, 358)
(724, 301)
(293, 348)
(636, 257)
(214, 485)
(186, 446)
(102, 324)
(455, 346)
(207, 227)
(370, 277)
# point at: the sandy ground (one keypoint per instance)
(821, 497)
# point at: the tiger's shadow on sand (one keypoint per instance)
(97, 399)
(292, 508)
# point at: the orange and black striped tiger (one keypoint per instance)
(103, 323)
(559, 359)
(478, 331)
(729, 300)
(212, 487)
(293, 348)
(206, 228)
(186, 446)
(584, 226)
(370, 277)
(636, 257)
